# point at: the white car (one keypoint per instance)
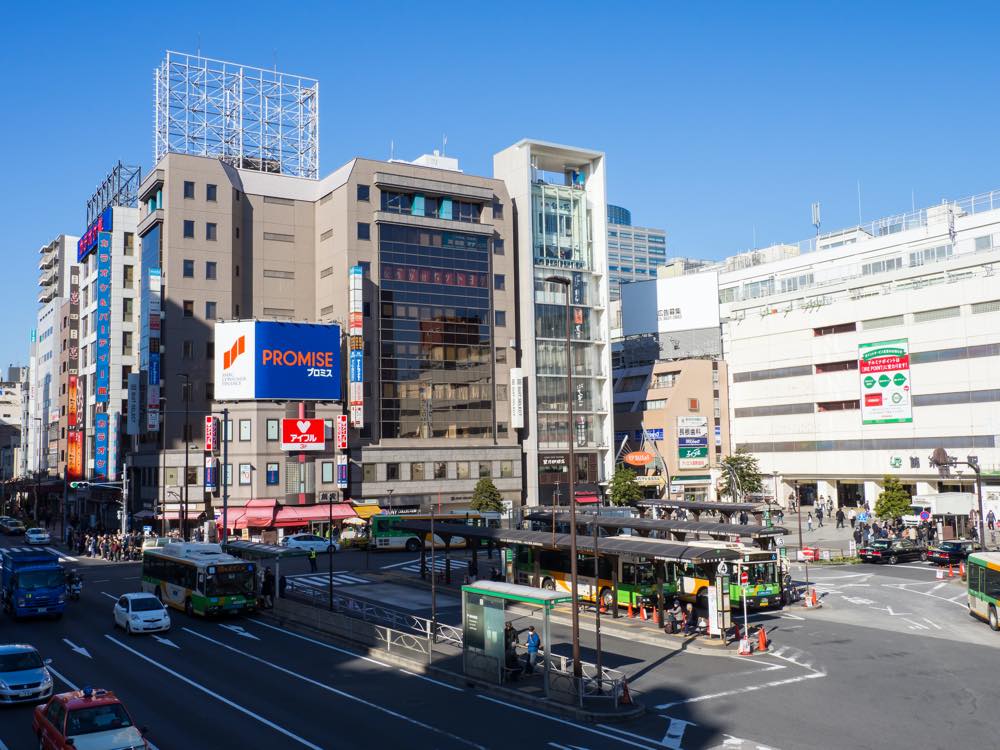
(308, 542)
(37, 536)
(141, 613)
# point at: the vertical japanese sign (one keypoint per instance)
(356, 349)
(884, 367)
(341, 471)
(517, 398)
(74, 393)
(113, 432)
(692, 442)
(132, 418)
(102, 383)
(341, 432)
(211, 434)
(151, 334)
(101, 427)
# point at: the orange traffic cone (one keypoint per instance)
(626, 698)
(814, 597)
(961, 569)
(656, 615)
(951, 572)
(761, 639)
(642, 612)
(630, 612)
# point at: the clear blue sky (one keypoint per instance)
(716, 118)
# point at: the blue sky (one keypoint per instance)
(719, 120)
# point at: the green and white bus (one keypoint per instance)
(385, 536)
(983, 570)
(200, 579)
(764, 584)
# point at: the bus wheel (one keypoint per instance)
(607, 598)
(549, 585)
(412, 545)
(188, 608)
(994, 623)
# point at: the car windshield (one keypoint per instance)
(41, 579)
(146, 604)
(36, 531)
(20, 660)
(230, 583)
(97, 719)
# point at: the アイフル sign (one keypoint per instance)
(884, 368)
(303, 435)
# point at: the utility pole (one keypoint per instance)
(225, 476)
(798, 505)
(187, 451)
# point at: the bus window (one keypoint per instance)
(523, 556)
(974, 577)
(759, 573)
(990, 582)
(642, 574)
(554, 561)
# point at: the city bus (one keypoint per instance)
(764, 587)
(983, 570)
(384, 535)
(199, 579)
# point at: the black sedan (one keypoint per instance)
(892, 551)
(951, 552)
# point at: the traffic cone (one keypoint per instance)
(951, 572)
(630, 612)
(761, 639)
(626, 699)
(656, 615)
(961, 569)
(814, 597)
(642, 612)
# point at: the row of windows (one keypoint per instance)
(211, 269)
(415, 204)
(211, 309)
(211, 230)
(960, 442)
(438, 470)
(211, 191)
(930, 399)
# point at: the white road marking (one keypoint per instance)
(551, 744)
(915, 625)
(399, 564)
(428, 679)
(933, 623)
(324, 645)
(739, 691)
(837, 578)
(239, 631)
(335, 691)
(79, 649)
(221, 698)
(675, 733)
(63, 557)
(790, 616)
(953, 600)
(925, 568)
(940, 585)
(962, 596)
(64, 678)
(110, 596)
(166, 641)
(323, 581)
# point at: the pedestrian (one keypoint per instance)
(510, 650)
(690, 620)
(819, 516)
(840, 518)
(312, 560)
(744, 518)
(852, 517)
(791, 502)
(267, 589)
(282, 586)
(534, 644)
(991, 520)
(809, 522)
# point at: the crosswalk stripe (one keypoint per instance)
(62, 555)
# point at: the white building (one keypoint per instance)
(795, 322)
(560, 200)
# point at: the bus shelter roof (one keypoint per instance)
(517, 593)
(653, 549)
(258, 551)
(663, 524)
(700, 506)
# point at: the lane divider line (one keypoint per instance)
(335, 691)
(321, 643)
(748, 689)
(221, 698)
(428, 679)
(110, 596)
(62, 677)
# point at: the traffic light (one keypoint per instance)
(79, 485)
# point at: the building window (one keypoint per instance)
(364, 193)
(485, 469)
(838, 405)
(246, 471)
(844, 364)
(499, 282)
(211, 193)
(417, 471)
(127, 342)
(839, 328)
(188, 229)
(634, 383)
(126, 309)
(188, 269)
(462, 470)
(327, 472)
(188, 189)
(497, 210)
(244, 430)
(506, 469)
(501, 355)
(210, 310)
(364, 230)
(211, 232)
(368, 472)
(649, 404)
(500, 318)
(392, 472)
(272, 474)
(502, 393)
(440, 470)
(665, 379)
(501, 429)
(497, 246)
(272, 430)
(187, 349)
(189, 308)
(209, 350)
(129, 241)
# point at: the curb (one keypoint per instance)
(461, 680)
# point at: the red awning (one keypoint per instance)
(175, 515)
(585, 498)
(300, 515)
(256, 514)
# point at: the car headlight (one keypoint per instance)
(47, 681)
(3, 685)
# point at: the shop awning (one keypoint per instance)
(300, 515)
(587, 498)
(175, 515)
(367, 511)
(257, 514)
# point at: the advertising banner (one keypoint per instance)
(86, 244)
(114, 420)
(74, 454)
(134, 405)
(517, 398)
(692, 442)
(356, 396)
(102, 375)
(884, 368)
(101, 427)
(149, 347)
(280, 361)
(654, 433)
(341, 471)
(72, 415)
(341, 432)
(211, 434)
(211, 474)
(302, 435)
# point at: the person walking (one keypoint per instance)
(267, 589)
(809, 522)
(819, 516)
(312, 560)
(852, 517)
(991, 520)
(840, 518)
(534, 644)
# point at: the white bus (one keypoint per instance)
(199, 578)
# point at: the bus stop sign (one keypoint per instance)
(924, 515)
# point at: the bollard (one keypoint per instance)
(961, 569)
(744, 648)
(940, 573)
(814, 597)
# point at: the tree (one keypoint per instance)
(740, 476)
(894, 501)
(624, 490)
(486, 497)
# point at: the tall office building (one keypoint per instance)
(634, 253)
(620, 216)
(559, 196)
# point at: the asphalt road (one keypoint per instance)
(892, 660)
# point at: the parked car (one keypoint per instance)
(37, 535)
(892, 551)
(88, 718)
(23, 676)
(12, 527)
(951, 552)
(310, 541)
(141, 613)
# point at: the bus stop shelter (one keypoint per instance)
(483, 620)
(727, 510)
(262, 553)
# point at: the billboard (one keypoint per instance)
(517, 398)
(280, 361)
(132, 418)
(356, 393)
(211, 434)
(102, 375)
(86, 244)
(342, 471)
(113, 447)
(342, 432)
(681, 303)
(303, 435)
(102, 426)
(692, 442)
(884, 368)
(74, 454)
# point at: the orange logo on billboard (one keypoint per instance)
(229, 357)
(638, 458)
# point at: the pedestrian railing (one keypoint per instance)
(589, 686)
(412, 645)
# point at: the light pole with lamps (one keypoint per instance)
(941, 458)
(577, 667)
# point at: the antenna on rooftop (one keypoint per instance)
(392, 150)
(816, 217)
(444, 144)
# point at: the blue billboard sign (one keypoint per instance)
(655, 433)
(619, 436)
(102, 382)
(691, 442)
(357, 366)
(102, 428)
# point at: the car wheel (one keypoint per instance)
(188, 608)
(893, 559)
(994, 622)
(412, 545)
(128, 629)
(549, 585)
(923, 557)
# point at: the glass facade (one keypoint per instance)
(634, 254)
(436, 338)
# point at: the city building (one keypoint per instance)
(620, 216)
(10, 422)
(634, 254)
(854, 355)
(559, 197)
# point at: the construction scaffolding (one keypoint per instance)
(257, 119)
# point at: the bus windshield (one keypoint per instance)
(230, 583)
(759, 572)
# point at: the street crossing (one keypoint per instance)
(63, 557)
(456, 563)
(318, 580)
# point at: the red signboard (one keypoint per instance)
(71, 406)
(211, 434)
(873, 399)
(74, 454)
(342, 432)
(303, 435)
(744, 578)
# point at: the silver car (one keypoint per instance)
(23, 676)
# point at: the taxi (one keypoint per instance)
(86, 719)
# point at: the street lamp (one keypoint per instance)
(163, 467)
(577, 667)
(187, 450)
(941, 458)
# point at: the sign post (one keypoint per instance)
(744, 585)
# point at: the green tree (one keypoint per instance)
(894, 501)
(740, 476)
(486, 497)
(624, 490)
